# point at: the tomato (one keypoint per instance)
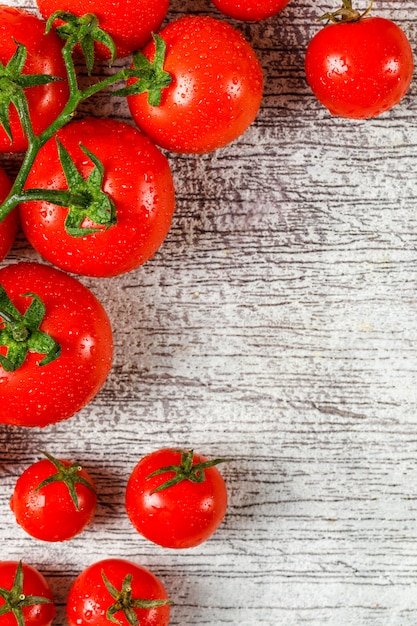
(9, 226)
(215, 90)
(129, 22)
(25, 596)
(137, 179)
(43, 57)
(44, 311)
(54, 500)
(176, 498)
(252, 10)
(359, 69)
(119, 591)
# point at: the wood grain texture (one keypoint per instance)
(276, 326)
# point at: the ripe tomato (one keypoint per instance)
(176, 498)
(43, 57)
(8, 227)
(129, 22)
(137, 179)
(46, 312)
(54, 500)
(359, 69)
(251, 10)
(118, 591)
(25, 596)
(215, 92)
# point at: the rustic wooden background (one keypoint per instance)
(277, 326)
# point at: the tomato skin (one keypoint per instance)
(182, 516)
(216, 89)
(137, 178)
(130, 23)
(9, 226)
(49, 514)
(89, 599)
(34, 584)
(359, 69)
(43, 57)
(36, 395)
(250, 10)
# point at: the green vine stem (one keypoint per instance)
(345, 14)
(35, 142)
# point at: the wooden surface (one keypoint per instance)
(277, 326)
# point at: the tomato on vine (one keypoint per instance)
(176, 498)
(111, 198)
(250, 10)
(55, 345)
(33, 75)
(25, 596)
(359, 66)
(54, 500)
(130, 23)
(120, 592)
(198, 85)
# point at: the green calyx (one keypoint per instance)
(84, 31)
(15, 600)
(186, 470)
(126, 603)
(21, 334)
(67, 474)
(84, 199)
(346, 13)
(152, 78)
(12, 85)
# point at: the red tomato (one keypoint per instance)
(216, 87)
(8, 227)
(25, 596)
(137, 178)
(43, 57)
(37, 394)
(54, 500)
(359, 69)
(176, 508)
(98, 593)
(251, 10)
(129, 22)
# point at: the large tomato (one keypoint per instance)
(136, 178)
(359, 69)
(25, 596)
(130, 23)
(8, 227)
(55, 345)
(251, 10)
(118, 591)
(43, 56)
(176, 498)
(215, 90)
(54, 500)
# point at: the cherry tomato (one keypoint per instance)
(54, 500)
(118, 591)
(137, 179)
(25, 596)
(9, 226)
(55, 345)
(176, 498)
(215, 90)
(359, 69)
(251, 10)
(129, 22)
(43, 56)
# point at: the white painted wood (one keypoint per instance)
(277, 326)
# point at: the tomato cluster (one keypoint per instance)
(95, 197)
